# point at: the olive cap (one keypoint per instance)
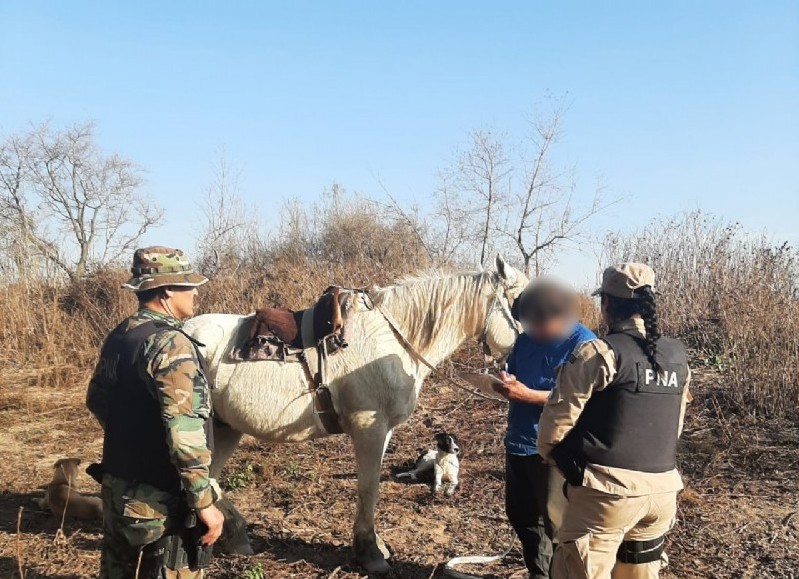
(622, 280)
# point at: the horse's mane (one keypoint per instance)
(427, 302)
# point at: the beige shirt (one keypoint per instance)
(593, 368)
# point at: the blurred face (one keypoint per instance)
(182, 301)
(549, 330)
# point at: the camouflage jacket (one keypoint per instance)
(168, 364)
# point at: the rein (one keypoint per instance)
(436, 372)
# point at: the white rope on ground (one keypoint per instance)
(449, 568)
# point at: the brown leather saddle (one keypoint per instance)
(282, 335)
(277, 334)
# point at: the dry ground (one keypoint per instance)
(738, 518)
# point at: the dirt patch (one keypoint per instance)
(739, 516)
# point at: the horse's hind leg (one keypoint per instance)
(233, 540)
(370, 440)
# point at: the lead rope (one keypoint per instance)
(449, 567)
(437, 373)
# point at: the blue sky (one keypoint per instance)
(675, 105)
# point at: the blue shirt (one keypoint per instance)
(535, 363)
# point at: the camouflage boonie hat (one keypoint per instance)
(161, 266)
(622, 280)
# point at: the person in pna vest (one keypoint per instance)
(151, 395)
(611, 426)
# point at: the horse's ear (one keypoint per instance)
(502, 267)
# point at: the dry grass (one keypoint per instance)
(734, 298)
(738, 518)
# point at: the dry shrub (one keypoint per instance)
(51, 330)
(343, 240)
(588, 312)
(732, 297)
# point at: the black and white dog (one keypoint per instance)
(442, 460)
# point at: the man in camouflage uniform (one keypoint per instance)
(150, 393)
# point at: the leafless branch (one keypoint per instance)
(68, 203)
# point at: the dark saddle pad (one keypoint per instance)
(274, 332)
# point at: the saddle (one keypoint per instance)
(307, 337)
(282, 335)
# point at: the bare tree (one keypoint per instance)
(531, 208)
(481, 171)
(452, 228)
(229, 227)
(295, 233)
(544, 214)
(16, 218)
(411, 218)
(67, 202)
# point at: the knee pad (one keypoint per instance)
(639, 552)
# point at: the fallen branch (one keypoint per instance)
(19, 543)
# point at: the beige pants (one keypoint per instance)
(596, 523)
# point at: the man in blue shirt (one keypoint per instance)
(534, 500)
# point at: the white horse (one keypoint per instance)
(374, 383)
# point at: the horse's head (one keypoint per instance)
(501, 329)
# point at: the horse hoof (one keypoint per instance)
(234, 548)
(371, 554)
(376, 567)
(241, 549)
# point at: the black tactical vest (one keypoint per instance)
(633, 422)
(134, 447)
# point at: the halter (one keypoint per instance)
(497, 301)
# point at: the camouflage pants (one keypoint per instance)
(136, 518)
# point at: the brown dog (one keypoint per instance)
(61, 494)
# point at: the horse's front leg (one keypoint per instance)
(370, 435)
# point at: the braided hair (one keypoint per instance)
(644, 306)
(648, 311)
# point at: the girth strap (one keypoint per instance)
(315, 363)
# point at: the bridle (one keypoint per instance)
(505, 308)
